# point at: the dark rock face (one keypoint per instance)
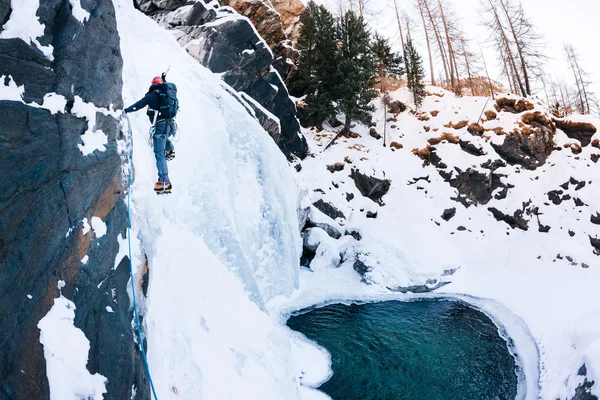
(515, 221)
(583, 391)
(231, 46)
(530, 151)
(582, 131)
(473, 186)
(329, 210)
(369, 186)
(595, 219)
(49, 187)
(449, 213)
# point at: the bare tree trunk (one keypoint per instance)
(450, 51)
(511, 58)
(582, 83)
(438, 38)
(428, 43)
(464, 49)
(513, 30)
(487, 72)
(399, 26)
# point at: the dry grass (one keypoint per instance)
(458, 125)
(435, 129)
(531, 118)
(396, 145)
(596, 143)
(434, 113)
(584, 127)
(347, 160)
(497, 131)
(475, 129)
(445, 136)
(353, 135)
(575, 147)
(338, 166)
(435, 94)
(423, 154)
(427, 128)
(373, 133)
(423, 117)
(524, 105)
(396, 107)
(490, 115)
(513, 106)
(358, 147)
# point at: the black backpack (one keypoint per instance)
(169, 105)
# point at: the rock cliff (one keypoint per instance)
(51, 188)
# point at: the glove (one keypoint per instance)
(164, 76)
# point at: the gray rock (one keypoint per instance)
(328, 209)
(370, 186)
(49, 187)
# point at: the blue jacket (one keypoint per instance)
(152, 100)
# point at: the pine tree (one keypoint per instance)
(388, 63)
(357, 71)
(316, 74)
(415, 73)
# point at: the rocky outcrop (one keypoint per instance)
(263, 16)
(290, 11)
(278, 22)
(49, 188)
(228, 44)
(531, 144)
(582, 131)
(370, 186)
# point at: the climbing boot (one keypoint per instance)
(159, 187)
(167, 187)
(169, 155)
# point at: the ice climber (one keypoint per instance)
(162, 103)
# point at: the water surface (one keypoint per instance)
(422, 350)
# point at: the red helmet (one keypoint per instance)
(156, 80)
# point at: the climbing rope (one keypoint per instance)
(135, 311)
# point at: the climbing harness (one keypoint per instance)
(135, 311)
(153, 129)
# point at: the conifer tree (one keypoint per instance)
(357, 72)
(317, 65)
(415, 74)
(388, 63)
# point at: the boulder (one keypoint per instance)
(449, 213)
(319, 220)
(370, 186)
(329, 210)
(529, 147)
(582, 131)
(45, 171)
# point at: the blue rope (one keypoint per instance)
(135, 312)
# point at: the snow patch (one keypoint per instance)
(78, 12)
(25, 25)
(11, 91)
(99, 227)
(86, 226)
(85, 259)
(66, 352)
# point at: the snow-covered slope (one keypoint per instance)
(222, 244)
(546, 280)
